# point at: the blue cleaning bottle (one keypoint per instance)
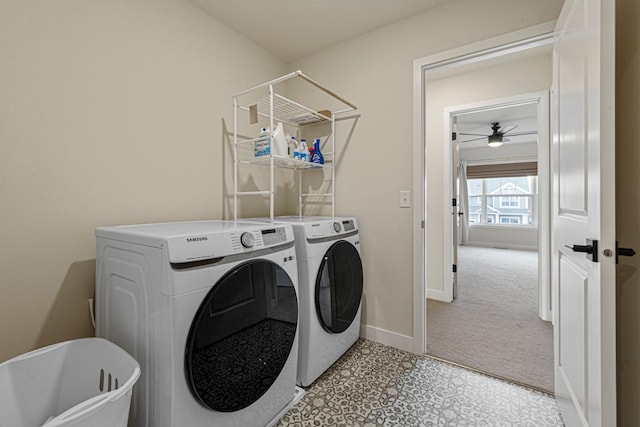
(317, 155)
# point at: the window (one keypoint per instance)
(507, 200)
(504, 219)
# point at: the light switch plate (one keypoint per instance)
(405, 199)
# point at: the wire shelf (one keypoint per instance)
(284, 162)
(288, 111)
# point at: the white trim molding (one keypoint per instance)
(438, 295)
(514, 42)
(382, 336)
(541, 99)
(480, 244)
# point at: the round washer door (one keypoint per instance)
(241, 336)
(339, 287)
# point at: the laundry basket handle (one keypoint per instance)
(78, 410)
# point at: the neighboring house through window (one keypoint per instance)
(505, 219)
(507, 201)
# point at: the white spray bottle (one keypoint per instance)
(304, 150)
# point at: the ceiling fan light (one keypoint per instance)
(495, 140)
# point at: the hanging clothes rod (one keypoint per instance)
(324, 89)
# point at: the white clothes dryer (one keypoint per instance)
(210, 311)
(331, 284)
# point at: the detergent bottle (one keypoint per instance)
(262, 144)
(280, 145)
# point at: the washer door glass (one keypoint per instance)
(241, 336)
(339, 287)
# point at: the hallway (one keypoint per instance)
(493, 324)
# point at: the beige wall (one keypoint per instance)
(628, 208)
(375, 71)
(526, 75)
(521, 238)
(111, 112)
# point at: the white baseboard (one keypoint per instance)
(437, 295)
(546, 315)
(504, 246)
(385, 337)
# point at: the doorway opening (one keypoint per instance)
(491, 314)
(430, 150)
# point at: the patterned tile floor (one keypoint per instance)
(377, 385)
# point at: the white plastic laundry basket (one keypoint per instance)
(84, 382)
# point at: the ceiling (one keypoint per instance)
(479, 122)
(292, 29)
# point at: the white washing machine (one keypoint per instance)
(210, 311)
(331, 282)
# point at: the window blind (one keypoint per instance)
(503, 170)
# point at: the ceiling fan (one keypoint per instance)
(497, 137)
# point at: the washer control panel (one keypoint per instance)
(348, 225)
(247, 240)
(274, 236)
(258, 239)
(229, 242)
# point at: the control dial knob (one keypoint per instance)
(247, 240)
(337, 227)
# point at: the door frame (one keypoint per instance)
(514, 42)
(541, 98)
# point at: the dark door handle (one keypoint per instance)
(626, 252)
(460, 213)
(623, 252)
(581, 248)
(591, 249)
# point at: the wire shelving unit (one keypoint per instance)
(277, 108)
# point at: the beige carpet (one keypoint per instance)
(493, 324)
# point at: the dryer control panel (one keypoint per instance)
(330, 228)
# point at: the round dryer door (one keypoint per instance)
(241, 336)
(339, 287)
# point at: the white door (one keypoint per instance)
(583, 208)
